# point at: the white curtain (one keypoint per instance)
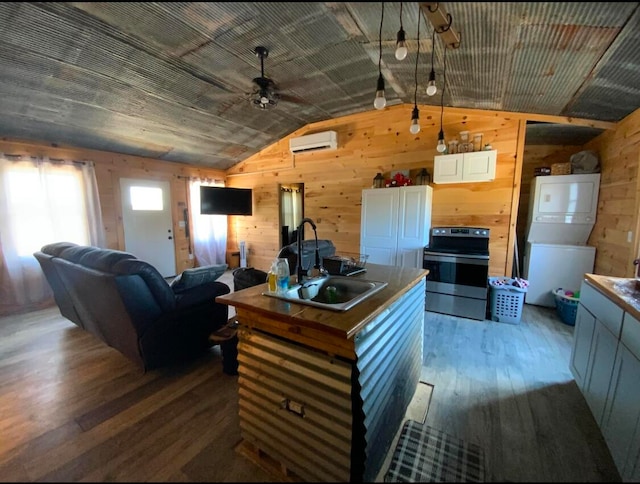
(43, 201)
(291, 198)
(209, 232)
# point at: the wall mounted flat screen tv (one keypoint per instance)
(225, 201)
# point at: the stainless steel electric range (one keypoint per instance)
(458, 263)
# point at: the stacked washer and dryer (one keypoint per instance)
(562, 213)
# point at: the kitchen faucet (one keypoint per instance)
(300, 272)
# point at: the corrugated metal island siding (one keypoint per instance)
(325, 416)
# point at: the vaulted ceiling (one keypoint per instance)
(174, 80)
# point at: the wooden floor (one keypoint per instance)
(508, 388)
(73, 409)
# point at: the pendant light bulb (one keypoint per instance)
(431, 86)
(441, 146)
(401, 45)
(415, 121)
(380, 101)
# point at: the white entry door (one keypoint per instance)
(146, 217)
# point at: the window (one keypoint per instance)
(42, 202)
(44, 212)
(146, 198)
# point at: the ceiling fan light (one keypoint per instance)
(265, 99)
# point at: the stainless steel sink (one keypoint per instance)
(337, 293)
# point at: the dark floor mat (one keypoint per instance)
(424, 454)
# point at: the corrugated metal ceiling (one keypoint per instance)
(172, 80)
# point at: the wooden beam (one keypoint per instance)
(549, 118)
(435, 13)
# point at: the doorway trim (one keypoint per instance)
(283, 189)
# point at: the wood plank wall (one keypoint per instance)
(619, 199)
(379, 141)
(368, 143)
(110, 167)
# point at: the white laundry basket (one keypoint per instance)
(506, 300)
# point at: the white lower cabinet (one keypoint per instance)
(605, 361)
(601, 359)
(620, 420)
(582, 337)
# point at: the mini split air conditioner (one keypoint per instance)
(327, 140)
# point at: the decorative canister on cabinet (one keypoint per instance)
(423, 177)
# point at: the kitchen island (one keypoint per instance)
(323, 392)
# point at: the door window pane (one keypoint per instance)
(146, 198)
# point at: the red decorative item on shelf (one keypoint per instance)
(399, 180)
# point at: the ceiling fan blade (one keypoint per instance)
(292, 99)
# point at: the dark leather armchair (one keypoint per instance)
(126, 303)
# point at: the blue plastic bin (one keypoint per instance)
(566, 307)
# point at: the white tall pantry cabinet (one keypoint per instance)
(395, 224)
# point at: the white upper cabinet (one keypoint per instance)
(476, 166)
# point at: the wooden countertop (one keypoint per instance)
(343, 324)
(621, 291)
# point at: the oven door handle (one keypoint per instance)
(464, 259)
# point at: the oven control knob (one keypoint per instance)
(484, 232)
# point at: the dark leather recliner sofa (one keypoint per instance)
(127, 303)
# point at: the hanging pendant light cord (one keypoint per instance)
(444, 83)
(400, 15)
(380, 42)
(433, 40)
(415, 76)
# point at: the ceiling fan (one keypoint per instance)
(266, 95)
